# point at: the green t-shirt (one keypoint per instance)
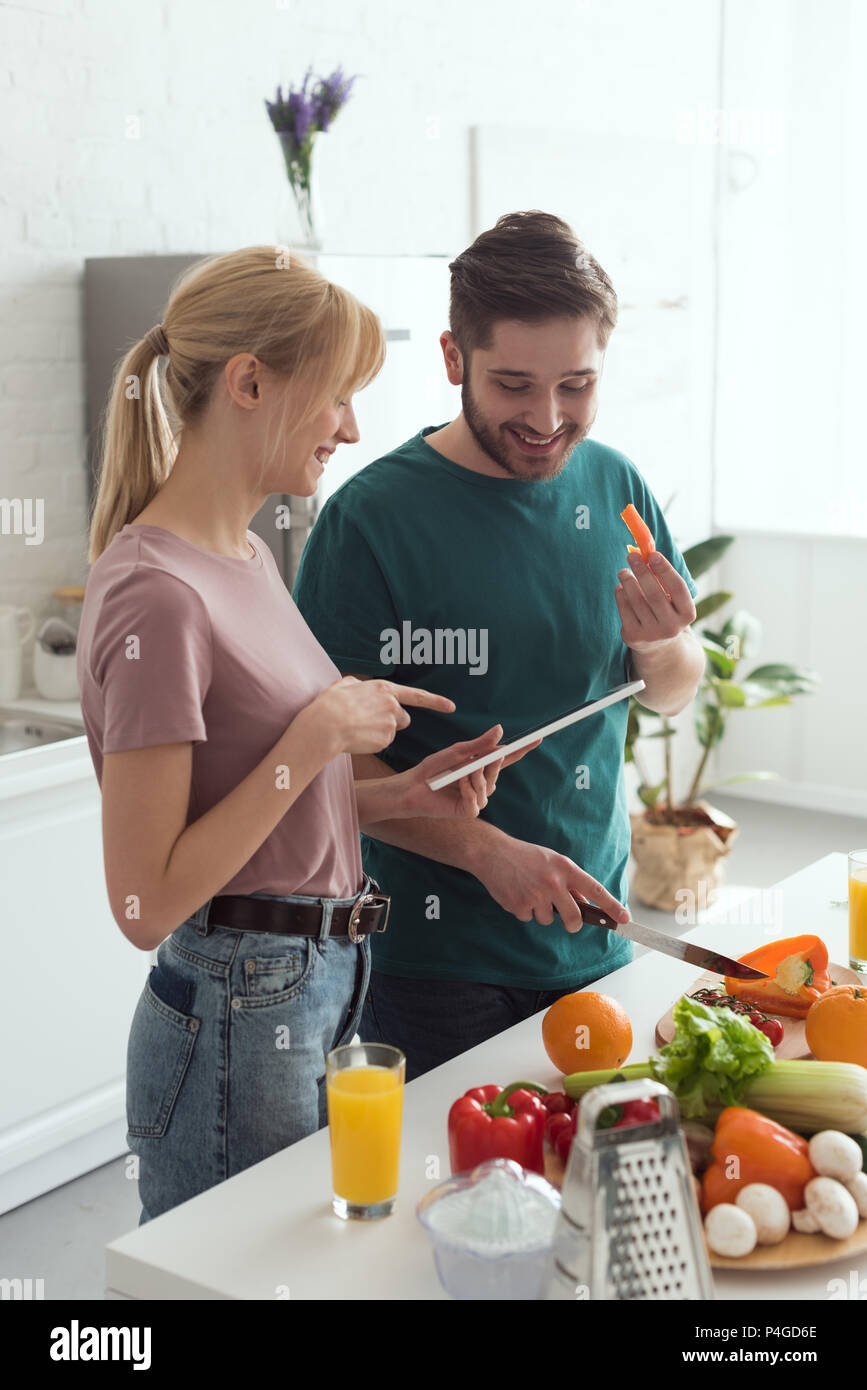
(498, 593)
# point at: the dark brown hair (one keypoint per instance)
(530, 266)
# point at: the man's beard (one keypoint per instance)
(491, 442)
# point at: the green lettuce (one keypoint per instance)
(712, 1058)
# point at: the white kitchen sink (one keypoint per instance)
(21, 731)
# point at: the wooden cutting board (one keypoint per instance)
(795, 1252)
(794, 1042)
(555, 1169)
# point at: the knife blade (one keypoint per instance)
(687, 951)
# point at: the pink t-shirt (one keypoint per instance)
(224, 659)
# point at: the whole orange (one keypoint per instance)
(586, 1032)
(836, 1025)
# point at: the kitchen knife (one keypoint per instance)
(701, 956)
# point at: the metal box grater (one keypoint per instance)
(629, 1224)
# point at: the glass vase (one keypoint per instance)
(301, 210)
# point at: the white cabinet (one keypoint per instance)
(71, 979)
(411, 296)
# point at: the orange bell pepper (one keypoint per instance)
(798, 975)
(641, 532)
(748, 1147)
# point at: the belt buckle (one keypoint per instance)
(364, 899)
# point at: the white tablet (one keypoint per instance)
(620, 692)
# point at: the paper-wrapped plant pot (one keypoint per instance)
(686, 857)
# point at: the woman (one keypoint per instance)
(220, 731)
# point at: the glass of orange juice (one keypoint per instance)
(858, 909)
(364, 1084)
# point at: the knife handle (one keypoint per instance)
(594, 915)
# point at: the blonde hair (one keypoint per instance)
(262, 300)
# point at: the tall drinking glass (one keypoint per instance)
(858, 909)
(364, 1084)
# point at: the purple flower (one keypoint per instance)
(330, 95)
(303, 112)
(301, 116)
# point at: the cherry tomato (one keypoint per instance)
(773, 1031)
(555, 1124)
(638, 1112)
(557, 1102)
(563, 1144)
(565, 1135)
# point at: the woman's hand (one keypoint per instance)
(353, 716)
(464, 798)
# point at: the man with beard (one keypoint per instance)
(505, 521)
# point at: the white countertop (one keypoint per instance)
(270, 1232)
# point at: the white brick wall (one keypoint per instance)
(205, 172)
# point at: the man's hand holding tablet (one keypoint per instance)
(468, 793)
(534, 738)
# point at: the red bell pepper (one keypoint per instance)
(495, 1122)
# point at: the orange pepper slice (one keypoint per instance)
(641, 532)
(798, 975)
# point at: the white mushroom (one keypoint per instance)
(805, 1222)
(730, 1230)
(858, 1187)
(835, 1155)
(833, 1207)
(769, 1210)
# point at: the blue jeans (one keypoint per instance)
(226, 1053)
(432, 1021)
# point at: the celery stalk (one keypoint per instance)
(809, 1096)
(802, 1095)
(581, 1081)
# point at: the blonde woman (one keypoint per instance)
(220, 731)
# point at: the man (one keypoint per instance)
(486, 560)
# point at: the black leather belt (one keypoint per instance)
(369, 913)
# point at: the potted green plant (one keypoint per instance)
(682, 846)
